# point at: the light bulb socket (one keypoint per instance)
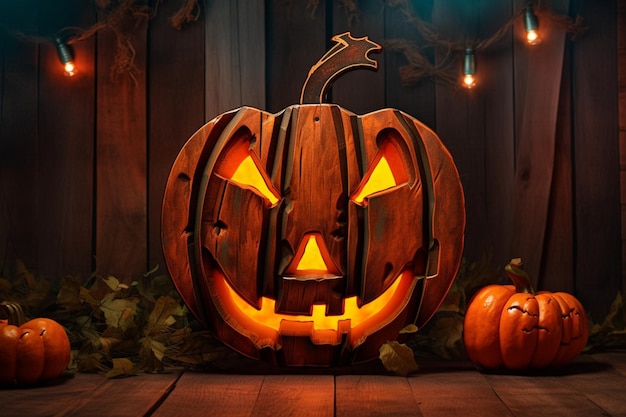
(469, 62)
(530, 19)
(64, 51)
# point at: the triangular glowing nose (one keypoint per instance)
(312, 259)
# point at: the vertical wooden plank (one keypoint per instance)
(418, 99)
(4, 207)
(596, 159)
(65, 150)
(18, 134)
(621, 56)
(535, 158)
(373, 395)
(361, 91)
(214, 394)
(235, 55)
(558, 257)
(495, 66)
(121, 160)
(296, 395)
(176, 107)
(460, 120)
(296, 39)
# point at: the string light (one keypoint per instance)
(469, 68)
(66, 57)
(531, 24)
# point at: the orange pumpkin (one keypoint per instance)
(314, 235)
(36, 351)
(515, 328)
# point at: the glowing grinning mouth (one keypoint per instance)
(264, 326)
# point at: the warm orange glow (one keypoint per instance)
(380, 179)
(532, 37)
(387, 171)
(312, 259)
(264, 326)
(239, 165)
(70, 68)
(469, 81)
(248, 174)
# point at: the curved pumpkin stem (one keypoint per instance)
(515, 271)
(13, 313)
(347, 54)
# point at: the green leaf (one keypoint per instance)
(398, 358)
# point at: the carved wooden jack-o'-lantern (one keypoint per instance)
(312, 236)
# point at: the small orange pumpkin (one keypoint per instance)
(515, 328)
(36, 351)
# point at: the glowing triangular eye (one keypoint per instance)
(242, 167)
(387, 171)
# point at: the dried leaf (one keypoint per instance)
(23, 273)
(398, 358)
(39, 295)
(86, 296)
(447, 336)
(121, 367)
(156, 347)
(91, 362)
(69, 294)
(163, 310)
(196, 348)
(110, 338)
(411, 328)
(119, 312)
(5, 286)
(114, 283)
(111, 282)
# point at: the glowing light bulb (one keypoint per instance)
(469, 81)
(532, 37)
(70, 69)
(531, 24)
(65, 56)
(469, 69)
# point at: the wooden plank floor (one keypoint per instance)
(594, 385)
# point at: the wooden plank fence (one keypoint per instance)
(83, 160)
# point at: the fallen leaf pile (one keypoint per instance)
(122, 329)
(116, 328)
